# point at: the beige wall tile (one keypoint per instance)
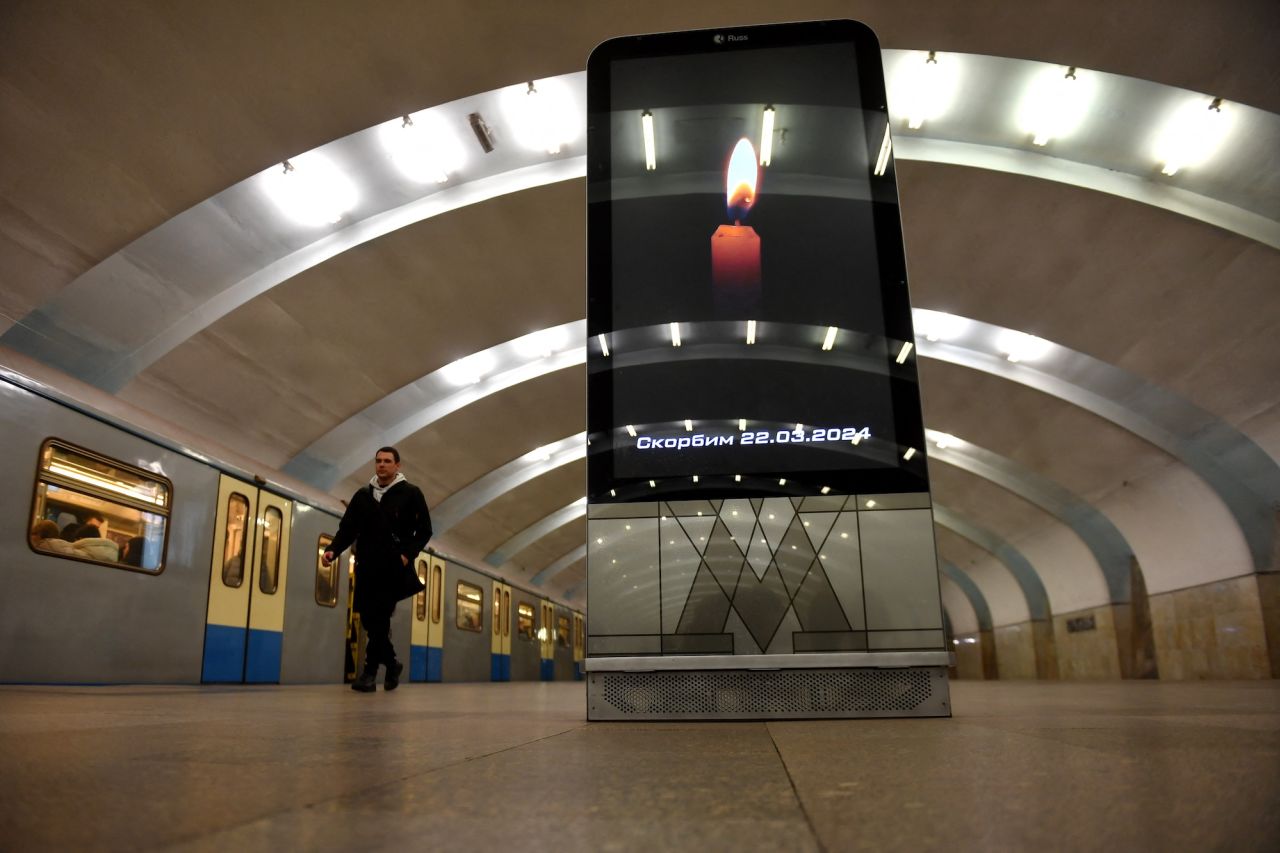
(968, 656)
(1218, 630)
(1087, 654)
(1015, 651)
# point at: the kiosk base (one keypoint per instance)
(626, 689)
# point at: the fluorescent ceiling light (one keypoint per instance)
(688, 425)
(542, 343)
(695, 478)
(675, 334)
(826, 490)
(886, 147)
(911, 451)
(1055, 103)
(650, 152)
(925, 87)
(751, 331)
(830, 340)
(631, 430)
(543, 114)
(422, 146)
(737, 478)
(781, 482)
(604, 345)
(944, 440)
(469, 370)
(766, 136)
(652, 484)
(1192, 134)
(938, 325)
(904, 352)
(1019, 346)
(742, 424)
(310, 189)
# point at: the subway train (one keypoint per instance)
(129, 557)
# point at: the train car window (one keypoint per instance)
(99, 510)
(437, 593)
(269, 548)
(326, 576)
(420, 600)
(237, 540)
(497, 612)
(524, 620)
(470, 607)
(562, 632)
(506, 606)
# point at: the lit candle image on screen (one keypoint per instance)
(735, 249)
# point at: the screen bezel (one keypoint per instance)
(602, 484)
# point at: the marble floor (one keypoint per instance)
(476, 767)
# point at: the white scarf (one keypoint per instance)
(379, 491)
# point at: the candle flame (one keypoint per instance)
(741, 177)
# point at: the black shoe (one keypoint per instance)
(392, 680)
(366, 683)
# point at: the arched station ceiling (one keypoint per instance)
(119, 120)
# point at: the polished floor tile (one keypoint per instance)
(1137, 765)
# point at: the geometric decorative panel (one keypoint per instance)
(757, 576)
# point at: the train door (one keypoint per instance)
(500, 634)
(419, 629)
(579, 645)
(435, 619)
(244, 626)
(547, 641)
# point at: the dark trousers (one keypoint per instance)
(378, 650)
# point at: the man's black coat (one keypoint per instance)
(381, 577)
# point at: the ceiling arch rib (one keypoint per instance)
(1019, 566)
(971, 592)
(1100, 535)
(1244, 476)
(559, 565)
(137, 305)
(501, 480)
(517, 543)
(422, 402)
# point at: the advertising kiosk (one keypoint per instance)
(760, 531)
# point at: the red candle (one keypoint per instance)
(735, 249)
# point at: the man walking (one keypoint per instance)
(388, 522)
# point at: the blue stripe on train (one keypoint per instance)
(435, 664)
(417, 663)
(499, 667)
(262, 663)
(506, 667)
(577, 670)
(548, 670)
(223, 654)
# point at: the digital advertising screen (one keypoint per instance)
(748, 315)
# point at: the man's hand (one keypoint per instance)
(326, 559)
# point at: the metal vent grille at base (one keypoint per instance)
(773, 694)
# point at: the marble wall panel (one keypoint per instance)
(1015, 651)
(1089, 654)
(968, 652)
(1269, 596)
(1217, 630)
(1045, 648)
